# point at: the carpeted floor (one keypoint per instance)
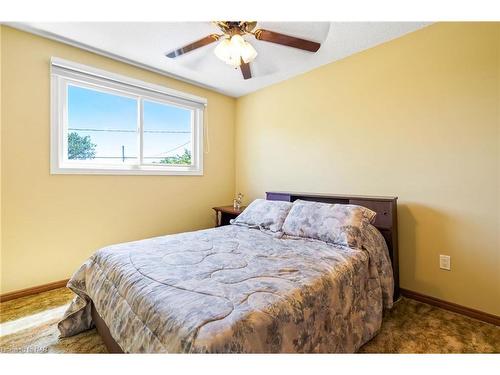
(29, 325)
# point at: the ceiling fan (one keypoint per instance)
(234, 50)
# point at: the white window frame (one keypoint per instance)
(64, 73)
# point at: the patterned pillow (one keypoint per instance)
(341, 224)
(264, 214)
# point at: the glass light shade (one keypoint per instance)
(248, 53)
(233, 50)
(223, 50)
(237, 41)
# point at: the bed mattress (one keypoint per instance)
(234, 289)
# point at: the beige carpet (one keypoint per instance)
(29, 325)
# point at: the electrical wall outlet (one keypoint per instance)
(445, 262)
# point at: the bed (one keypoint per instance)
(235, 289)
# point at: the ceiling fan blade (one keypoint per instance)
(245, 70)
(286, 40)
(190, 47)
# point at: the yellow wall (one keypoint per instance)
(52, 223)
(416, 117)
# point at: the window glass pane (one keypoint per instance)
(167, 134)
(102, 127)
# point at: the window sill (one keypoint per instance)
(137, 171)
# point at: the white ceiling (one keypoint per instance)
(146, 44)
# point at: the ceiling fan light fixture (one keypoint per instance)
(233, 50)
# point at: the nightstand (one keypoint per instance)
(225, 213)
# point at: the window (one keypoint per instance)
(103, 123)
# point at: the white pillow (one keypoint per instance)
(264, 214)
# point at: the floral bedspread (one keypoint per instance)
(234, 289)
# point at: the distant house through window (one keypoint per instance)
(108, 124)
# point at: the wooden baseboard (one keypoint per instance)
(33, 290)
(467, 311)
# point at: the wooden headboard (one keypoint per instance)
(386, 220)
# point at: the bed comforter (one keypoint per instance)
(234, 289)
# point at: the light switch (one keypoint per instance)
(445, 262)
